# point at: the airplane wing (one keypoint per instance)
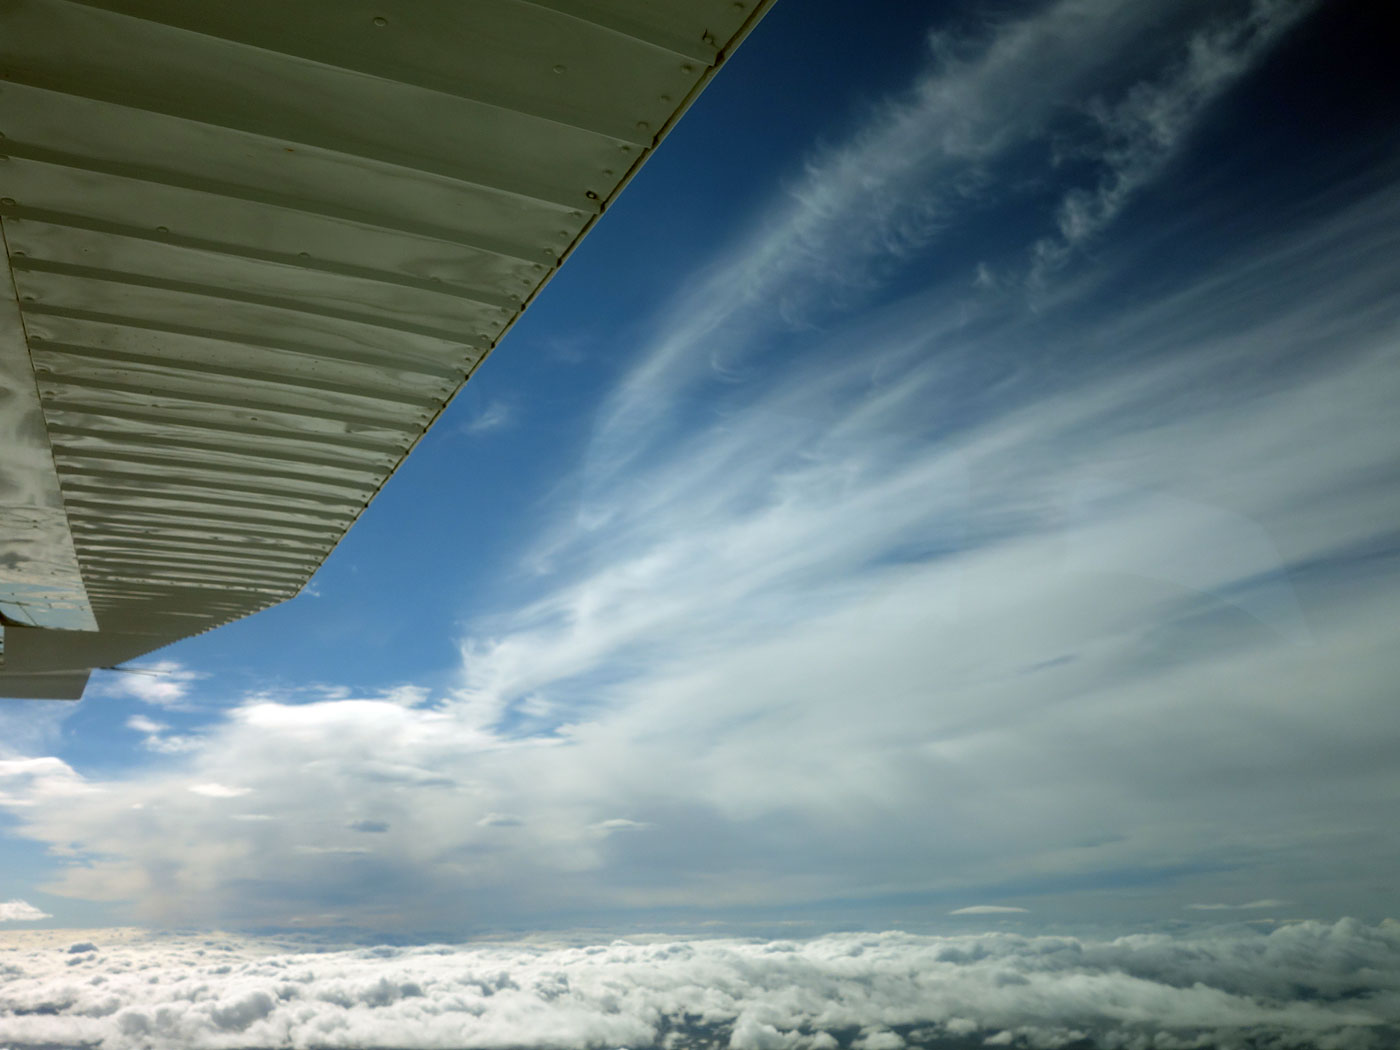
(253, 250)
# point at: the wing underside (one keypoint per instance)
(252, 252)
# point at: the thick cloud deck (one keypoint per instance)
(1307, 984)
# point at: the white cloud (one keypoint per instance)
(620, 824)
(494, 416)
(499, 820)
(1144, 128)
(926, 157)
(20, 911)
(157, 738)
(30, 727)
(212, 790)
(164, 683)
(142, 724)
(988, 909)
(28, 782)
(348, 851)
(172, 745)
(1215, 987)
(863, 206)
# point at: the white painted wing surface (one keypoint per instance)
(253, 249)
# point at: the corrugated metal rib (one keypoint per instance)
(500, 56)
(258, 248)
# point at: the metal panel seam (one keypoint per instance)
(371, 75)
(755, 16)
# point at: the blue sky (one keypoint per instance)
(957, 474)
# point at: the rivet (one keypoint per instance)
(380, 21)
(8, 202)
(162, 229)
(607, 171)
(642, 125)
(664, 98)
(303, 255)
(626, 149)
(560, 69)
(687, 68)
(708, 38)
(18, 253)
(549, 252)
(591, 195)
(537, 267)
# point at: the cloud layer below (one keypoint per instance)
(1304, 985)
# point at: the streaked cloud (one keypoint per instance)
(162, 683)
(213, 790)
(142, 724)
(928, 156)
(989, 909)
(499, 820)
(158, 737)
(612, 824)
(1142, 130)
(494, 416)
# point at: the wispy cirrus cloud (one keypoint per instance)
(989, 909)
(494, 416)
(922, 159)
(1143, 129)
